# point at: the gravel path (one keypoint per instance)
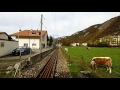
(62, 70)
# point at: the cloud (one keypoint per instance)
(56, 23)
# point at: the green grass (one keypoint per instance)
(80, 59)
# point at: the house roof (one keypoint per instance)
(9, 37)
(29, 33)
(3, 33)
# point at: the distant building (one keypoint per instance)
(31, 38)
(59, 44)
(113, 40)
(7, 44)
(74, 44)
(84, 44)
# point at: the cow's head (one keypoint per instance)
(92, 64)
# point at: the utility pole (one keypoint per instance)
(19, 43)
(30, 48)
(41, 35)
(18, 38)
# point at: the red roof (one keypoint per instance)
(30, 33)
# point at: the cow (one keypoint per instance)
(66, 49)
(101, 61)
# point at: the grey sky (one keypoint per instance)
(56, 23)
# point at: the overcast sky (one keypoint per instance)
(56, 23)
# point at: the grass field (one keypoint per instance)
(80, 59)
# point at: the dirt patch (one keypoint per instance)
(10, 60)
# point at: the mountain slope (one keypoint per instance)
(93, 33)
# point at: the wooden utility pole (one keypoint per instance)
(18, 38)
(41, 35)
(19, 43)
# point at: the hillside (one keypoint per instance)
(93, 33)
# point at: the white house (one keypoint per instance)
(7, 45)
(84, 44)
(74, 44)
(31, 38)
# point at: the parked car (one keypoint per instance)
(23, 50)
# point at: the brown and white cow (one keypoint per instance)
(101, 61)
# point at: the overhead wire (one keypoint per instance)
(54, 20)
(54, 23)
(42, 24)
(45, 26)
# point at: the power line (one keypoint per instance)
(39, 26)
(54, 20)
(42, 24)
(45, 26)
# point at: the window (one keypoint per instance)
(34, 44)
(33, 32)
(114, 42)
(39, 33)
(26, 44)
(2, 44)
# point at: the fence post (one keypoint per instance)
(20, 55)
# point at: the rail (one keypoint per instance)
(49, 68)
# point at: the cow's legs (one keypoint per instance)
(95, 67)
(109, 70)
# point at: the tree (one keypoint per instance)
(50, 41)
(102, 44)
(9, 38)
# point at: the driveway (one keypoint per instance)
(34, 51)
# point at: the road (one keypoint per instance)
(34, 51)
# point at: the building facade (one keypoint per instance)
(7, 45)
(113, 40)
(31, 38)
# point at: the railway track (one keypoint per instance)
(44, 68)
(48, 70)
